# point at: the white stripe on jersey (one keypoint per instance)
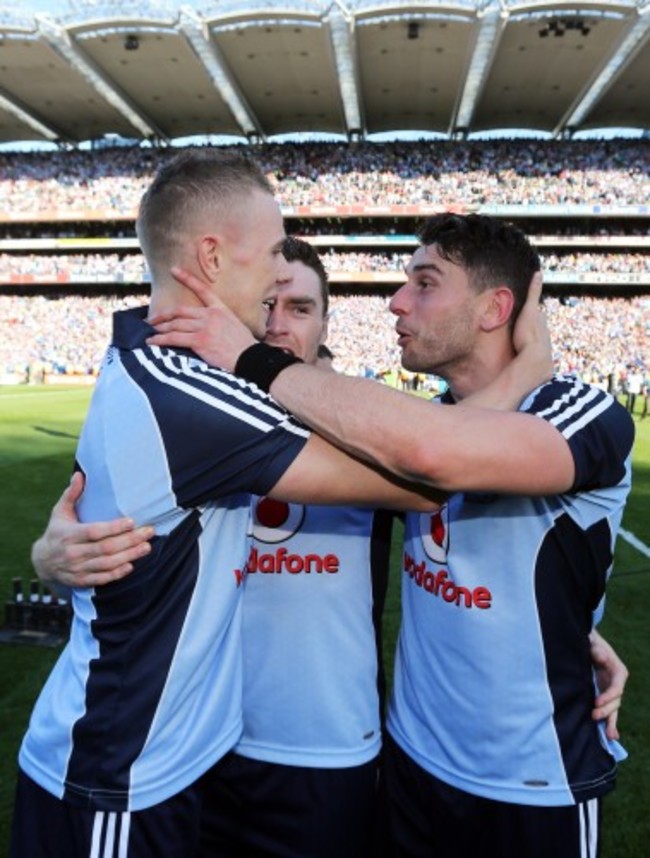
(560, 412)
(559, 403)
(218, 402)
(225, 382)
(590, 415)
(588, 814)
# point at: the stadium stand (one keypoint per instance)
(69, 256)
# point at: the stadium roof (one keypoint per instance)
(163, 70)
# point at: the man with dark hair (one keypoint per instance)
(302, 779)
(493, 251)
(325, 357)
(492, 749)
(296, 250)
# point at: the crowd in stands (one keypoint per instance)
(614, 263)
(94, 267)
(130, 268)
(62, 334)
(594, 337)
(611, 263)
(67, 333)
(613, 172)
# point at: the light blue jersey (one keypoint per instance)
(494, 685)
(310, 649)
(147, 694)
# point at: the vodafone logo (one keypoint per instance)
(276, 521)
(434, 533)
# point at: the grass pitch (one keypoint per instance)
(38, 434)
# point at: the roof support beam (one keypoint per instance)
(493, 22)
(341, 30)
(204, 47)
(631, 42)
(63, 45)
(22, 115)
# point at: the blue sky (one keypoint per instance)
(37, 5)
(54, 6)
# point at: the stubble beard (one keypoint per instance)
(433, 360)
(425, 358)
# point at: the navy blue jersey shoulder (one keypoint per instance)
(597, 428)
(202, 411)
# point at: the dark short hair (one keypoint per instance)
(296, 250)
(491, 251)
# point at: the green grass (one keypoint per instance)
(38, 434)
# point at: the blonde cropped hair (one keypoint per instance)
(184, 189)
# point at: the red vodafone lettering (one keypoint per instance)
(280, 561)
(439, 585)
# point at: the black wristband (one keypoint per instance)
(262, 364)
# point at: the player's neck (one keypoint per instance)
(481, 370)
(168, 297)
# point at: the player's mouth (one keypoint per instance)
(402, 337)
(285, 349)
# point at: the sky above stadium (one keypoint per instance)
(37, 5)
(59, 7)
(54, 6)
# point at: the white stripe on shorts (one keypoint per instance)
(113, 829)
(588, 815)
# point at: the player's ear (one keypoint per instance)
(498, 308)
(208, 252)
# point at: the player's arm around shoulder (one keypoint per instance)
(323, 474)
(447, 447)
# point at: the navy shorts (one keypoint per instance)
(255, 809)
(46, 827)
(428, 817)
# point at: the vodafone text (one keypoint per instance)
(438, 584)
(281, 561)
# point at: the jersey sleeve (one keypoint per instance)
(598, 430)
(221, 435)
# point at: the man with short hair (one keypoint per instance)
(492, 748)
(146, 697)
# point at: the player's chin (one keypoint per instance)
(410, 362)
